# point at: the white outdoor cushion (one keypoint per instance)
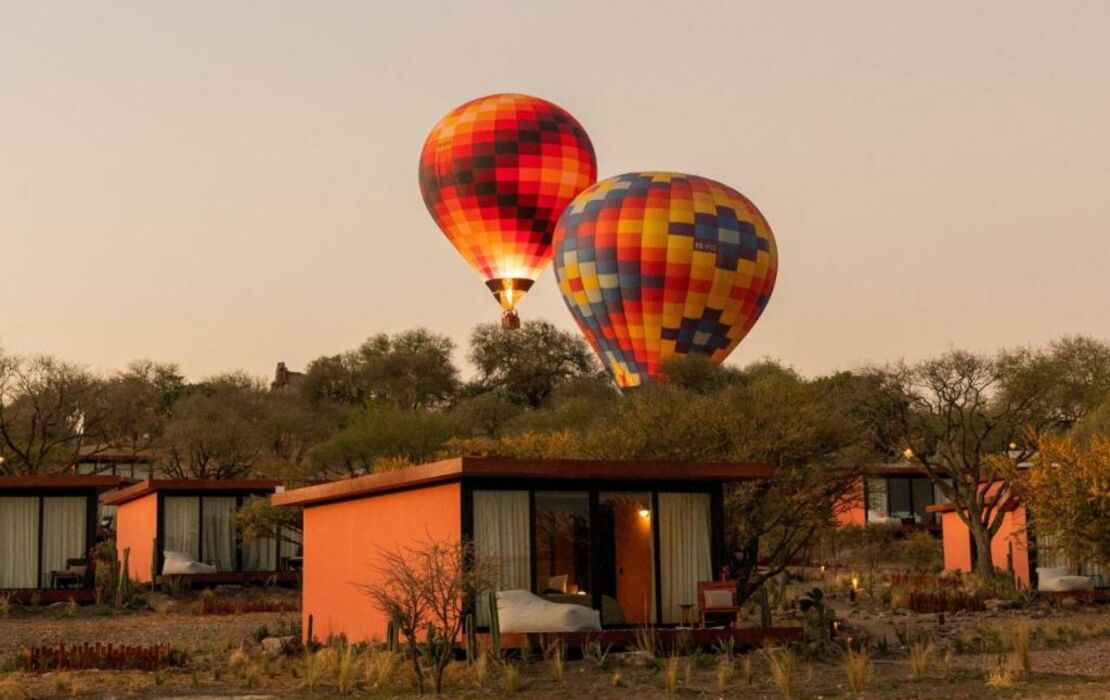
(181, 563)
(523, 611)
(1058, 578)
(718, 599)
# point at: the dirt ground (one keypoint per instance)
(1070, 658)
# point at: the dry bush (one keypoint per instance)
(424, 590)
(12, 688)
(857, 669)
(617, 679)
(921, 657)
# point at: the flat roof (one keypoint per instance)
(95, 482)
(145, 488)
(531, 469)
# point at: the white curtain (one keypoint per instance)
(260, 555)
(181, 525)
(501, 530)
(684, 550)
(219, 532)
(64, 525)
(19, 542)
(290, 543)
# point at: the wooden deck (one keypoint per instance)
(46, 596)
(666, 637)
(1099, 595)
(232, 578)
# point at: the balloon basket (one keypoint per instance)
(509, 320)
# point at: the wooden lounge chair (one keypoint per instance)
(719, 603)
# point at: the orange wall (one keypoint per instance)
(957, 544)
(136, 527)
(340, 542)
(852, 510)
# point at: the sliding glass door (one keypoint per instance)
(64, 529)
(203, 528)
(38, 535)
(562, 542)
(636, 556)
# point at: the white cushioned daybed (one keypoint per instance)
(181, 563)
(523, 611)
(1059, 578)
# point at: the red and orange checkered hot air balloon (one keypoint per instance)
(496, 173)
(654, 265)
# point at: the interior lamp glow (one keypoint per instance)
(645, 513)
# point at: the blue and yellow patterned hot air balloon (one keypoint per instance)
(657, 264)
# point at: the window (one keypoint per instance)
(38, 534)
(501, 528)
(203, 528)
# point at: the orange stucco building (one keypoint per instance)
(194, 517)
(1010, 547)
(630, 539)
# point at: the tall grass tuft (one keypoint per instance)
(315, 667)
(725, 670)
(921, 657)
(481, 667)
(747, 669)
(1005, 673)
(346, 673)
(556, 659)
(670, 674)
(781, 662)
(511, 681)
(381, 667)
(1018, 644)
(857, 669)
(646, 640)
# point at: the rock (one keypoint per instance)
(996, 604)
(632, 658)
(276, 646)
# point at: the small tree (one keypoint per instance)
(1068, 493)
(425, 591)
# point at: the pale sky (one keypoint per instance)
(226, 185)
